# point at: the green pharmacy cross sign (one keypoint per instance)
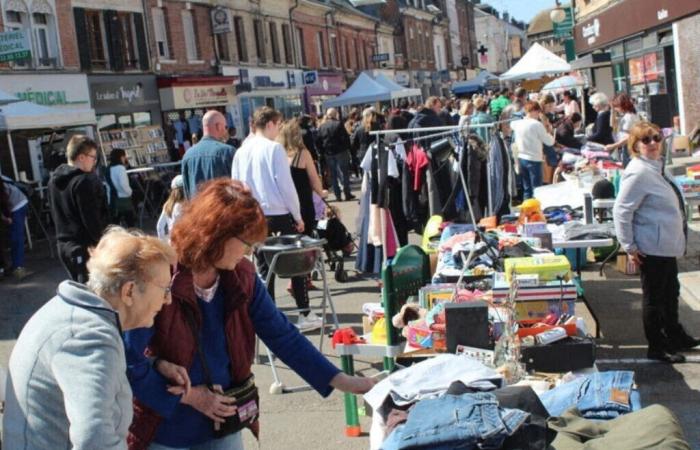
(15, 46)
(564, 29)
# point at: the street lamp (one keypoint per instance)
(557, 14)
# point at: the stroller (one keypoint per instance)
(339, 242)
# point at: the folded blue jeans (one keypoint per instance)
(601, 395)
(456, 421)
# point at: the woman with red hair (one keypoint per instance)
(218, 306)
(627, 118)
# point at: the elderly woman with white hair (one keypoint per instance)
(602, 132)
(67, 384)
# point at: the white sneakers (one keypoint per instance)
(310, 322)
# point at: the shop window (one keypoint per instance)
(190, 35)
(619, 77)
(125, 121)
(300, 41)
(160, 33)
(332, 51)
(275, 43)
(287, 40)
(222, 46)
(259, 40)
(320, 48)
(616, 51)
(107, 122)
(239, 31)
(96, 39)
(633, 45)
(142, 118)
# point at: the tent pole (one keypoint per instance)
(12, 155)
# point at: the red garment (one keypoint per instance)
(417, 161)
(174, 341)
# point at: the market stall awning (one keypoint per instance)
(26, 115)
(476, 84)
(6, 98)
(565, 82)
(363, 90)
(397, 91)
(536, 63)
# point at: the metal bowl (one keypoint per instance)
(297, 254)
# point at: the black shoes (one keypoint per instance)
(349, 197)
(685, 343)
(665, 356)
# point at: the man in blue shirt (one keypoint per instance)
(210, 158)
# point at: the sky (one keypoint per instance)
(522, 10)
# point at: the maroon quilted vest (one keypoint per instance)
(173, 339)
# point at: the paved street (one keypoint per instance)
(306, 421)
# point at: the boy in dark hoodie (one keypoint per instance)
(78, 206)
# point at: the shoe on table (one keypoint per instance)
(20, 273)
(666, 356)
(310, 322)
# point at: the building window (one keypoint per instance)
(348, 62)
(16, 20)
(321, 49)
(259, 40)
(222, 47)
(275, 44)
(127, 40)
(300, 40)
(96, 39)
(41, 23)
(190, 35)
(332, 51)
(287, 39)
(239, 31)
(160, 33)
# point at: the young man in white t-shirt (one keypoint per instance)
(530, 136)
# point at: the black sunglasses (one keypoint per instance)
(646, 140)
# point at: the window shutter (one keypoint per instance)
(114, 40)
(82, 36)
(141, 45)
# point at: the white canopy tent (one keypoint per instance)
(6, 98)
(397, 91)
(536, 63)
(23, 115)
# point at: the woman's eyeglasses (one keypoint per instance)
(250, 248)
(646, 140)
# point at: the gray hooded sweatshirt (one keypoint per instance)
(67, 385)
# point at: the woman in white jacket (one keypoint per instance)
(650, 226)
(121, 204)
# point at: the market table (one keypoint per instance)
(579, 245)
(145, 190)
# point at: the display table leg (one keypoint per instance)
(352, 420)
(582, 294)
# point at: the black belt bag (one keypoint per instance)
(245, 394)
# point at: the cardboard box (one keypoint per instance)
(626, 265)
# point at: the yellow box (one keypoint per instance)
(548, 267)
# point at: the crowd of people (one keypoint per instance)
(188, 303)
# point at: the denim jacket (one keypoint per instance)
(602, 395)
(466, 421)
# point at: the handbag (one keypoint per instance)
(246, 395)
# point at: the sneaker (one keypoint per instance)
(20, 273)
(310, 322)
(349, 197)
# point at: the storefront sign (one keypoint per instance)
(327, 85)
(627, 18)
(402, 78)
(60, 91)
(380, 57)
(185, 97)
(122, 95)
(15, 45)
(265, 81)
(221, 20)
(310, 77)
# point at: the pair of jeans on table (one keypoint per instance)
(601, 395)
(339, 167)
(531, 175)
(467, 421)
